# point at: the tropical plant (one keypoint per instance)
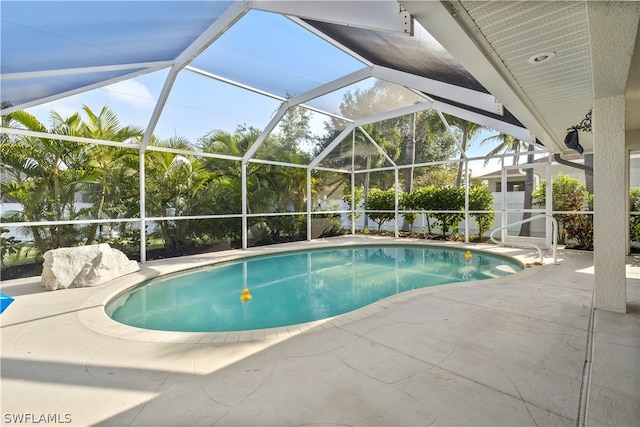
(448, 199)
(481, 199)
(423, 199)
(433, 199)
(506, 143)
(577, 227)
(270, 188)
(467, 131)
(44, 176)
(8, 245)
(568, 194)
(389, 140)
(174, 187)
(114, 192)
(433, 143)
(295, 129)
(634, 220)
(407, 202)
(561, 186)
(381, 205)
(355, 203)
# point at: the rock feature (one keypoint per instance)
(84, 266)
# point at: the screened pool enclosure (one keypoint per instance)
(244, 123)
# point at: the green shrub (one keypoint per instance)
(381, 200)
(358, 193)
(8, 245)
(569, 194)
(577, 227)
(407, 202)
(422, 199)
(449, 199)
(634, 220)
(481, 199)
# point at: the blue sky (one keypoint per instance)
(262, 50)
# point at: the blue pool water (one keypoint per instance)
(295, 287)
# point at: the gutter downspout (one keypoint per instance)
(558, 159)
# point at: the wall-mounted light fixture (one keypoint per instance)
(571, 140)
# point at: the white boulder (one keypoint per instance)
(84, 266)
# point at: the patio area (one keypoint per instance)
(521, 350)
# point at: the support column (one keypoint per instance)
(610, 207)
(143, 206)
(245, 222)
(309, 206)
(613, 26)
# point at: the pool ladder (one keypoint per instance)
(524, 244)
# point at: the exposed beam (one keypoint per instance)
(229, 17)
(332, 42)
(331, 86)
(270, 127)
(329, 148)
(463, 154)
(155, 116)
(193, 153)
(479, 100)
(371, 119)
(259, 91)
(293, 101)
(403, 111)
(517, 132)
(85, 70)
(215, 30)
(379, 15)
(70, 138)
(275, 163)
(380, 150)
(76, 91)
(234, 83)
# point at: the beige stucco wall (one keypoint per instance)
(610, 204)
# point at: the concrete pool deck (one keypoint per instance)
(523, 350)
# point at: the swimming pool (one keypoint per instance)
(296, 287)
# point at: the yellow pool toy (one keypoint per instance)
(246, 296)
(468, 255)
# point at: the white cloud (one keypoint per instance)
(65, 107)
(131, 92)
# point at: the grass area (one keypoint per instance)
(27, 254)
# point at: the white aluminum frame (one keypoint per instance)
(349, 13)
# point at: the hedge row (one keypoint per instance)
(434, 200)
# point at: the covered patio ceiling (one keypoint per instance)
(473, 60)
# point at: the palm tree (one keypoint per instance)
(222, 142)
(469, 130)
(114, 164)
(507, 143)
(433, 143)
(45, 175)
(175, 186)
(525, 229)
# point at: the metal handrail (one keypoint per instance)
(554, 236)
